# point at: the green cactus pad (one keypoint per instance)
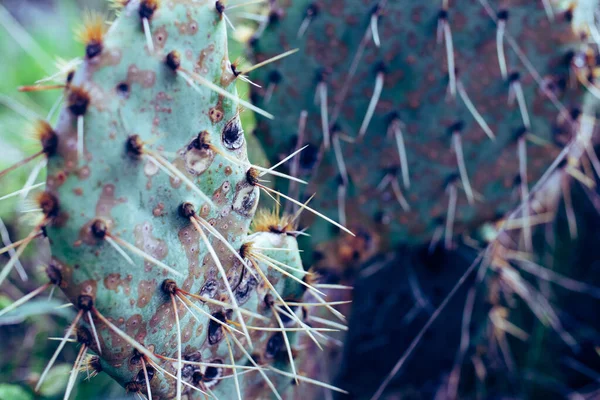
(417, 99)
(146, 165)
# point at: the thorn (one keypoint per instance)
(179, 380)
(569, 210)
(247, 3)
(234, 372)
(322, 97)
(254, 171)
(341, 197)
(186, 302)
(24, 39)
(451, 214)
(333, 286)
(165, 372)
(351, 72)
(438, 233)
(119, 250)
(522, 153)
(283, 161)
(80, 144)
(339, 157)
(21, 246)
(276, 266)
(29, 185)
(327, 322)
(23, 299)
(287, 342)
(399, 196)
(94, 332)
(270, 60)
(58, 350)
(75, 371)
(308, 380)
(311, 12)
(400, 363)
(516, 90)
(374, 25)
(139, 347)
(444, 27)
(374, 100)
(228, 21)
(146, 11)
(548, 9)
(19, 164)
(140, 253)
(387, 179)
(39, 88)
(146, 378)
(159, 160)
(11, 252)
(274, 79)
(247, 80)
(260, 370)
(502, 18)
(221, 270)
(191, 78)
(17, 107)
(456, 130)
(267, 189)
(396, 129)
(471, 107)
(291, 315)
(55, 107)
(198, 220)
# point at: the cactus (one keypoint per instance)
(429, 120)
(147, 208)
(398, 101)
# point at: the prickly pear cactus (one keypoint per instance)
(421, 118)
(425, 120)
(147, 208)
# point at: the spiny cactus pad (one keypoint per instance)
(392, 96)
(147, 208)
(395, 173)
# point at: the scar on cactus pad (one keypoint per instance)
(147, 209)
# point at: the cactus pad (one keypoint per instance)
(147, 208)
(386, 123)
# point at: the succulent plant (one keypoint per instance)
(422, 116)
(147, 208)
(428, 120)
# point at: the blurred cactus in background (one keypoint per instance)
(433, 128)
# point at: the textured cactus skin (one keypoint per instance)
(415, 87)
(141, 203)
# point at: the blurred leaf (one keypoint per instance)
(14, 392)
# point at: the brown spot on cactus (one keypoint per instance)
(216, 114)
(78, 100)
